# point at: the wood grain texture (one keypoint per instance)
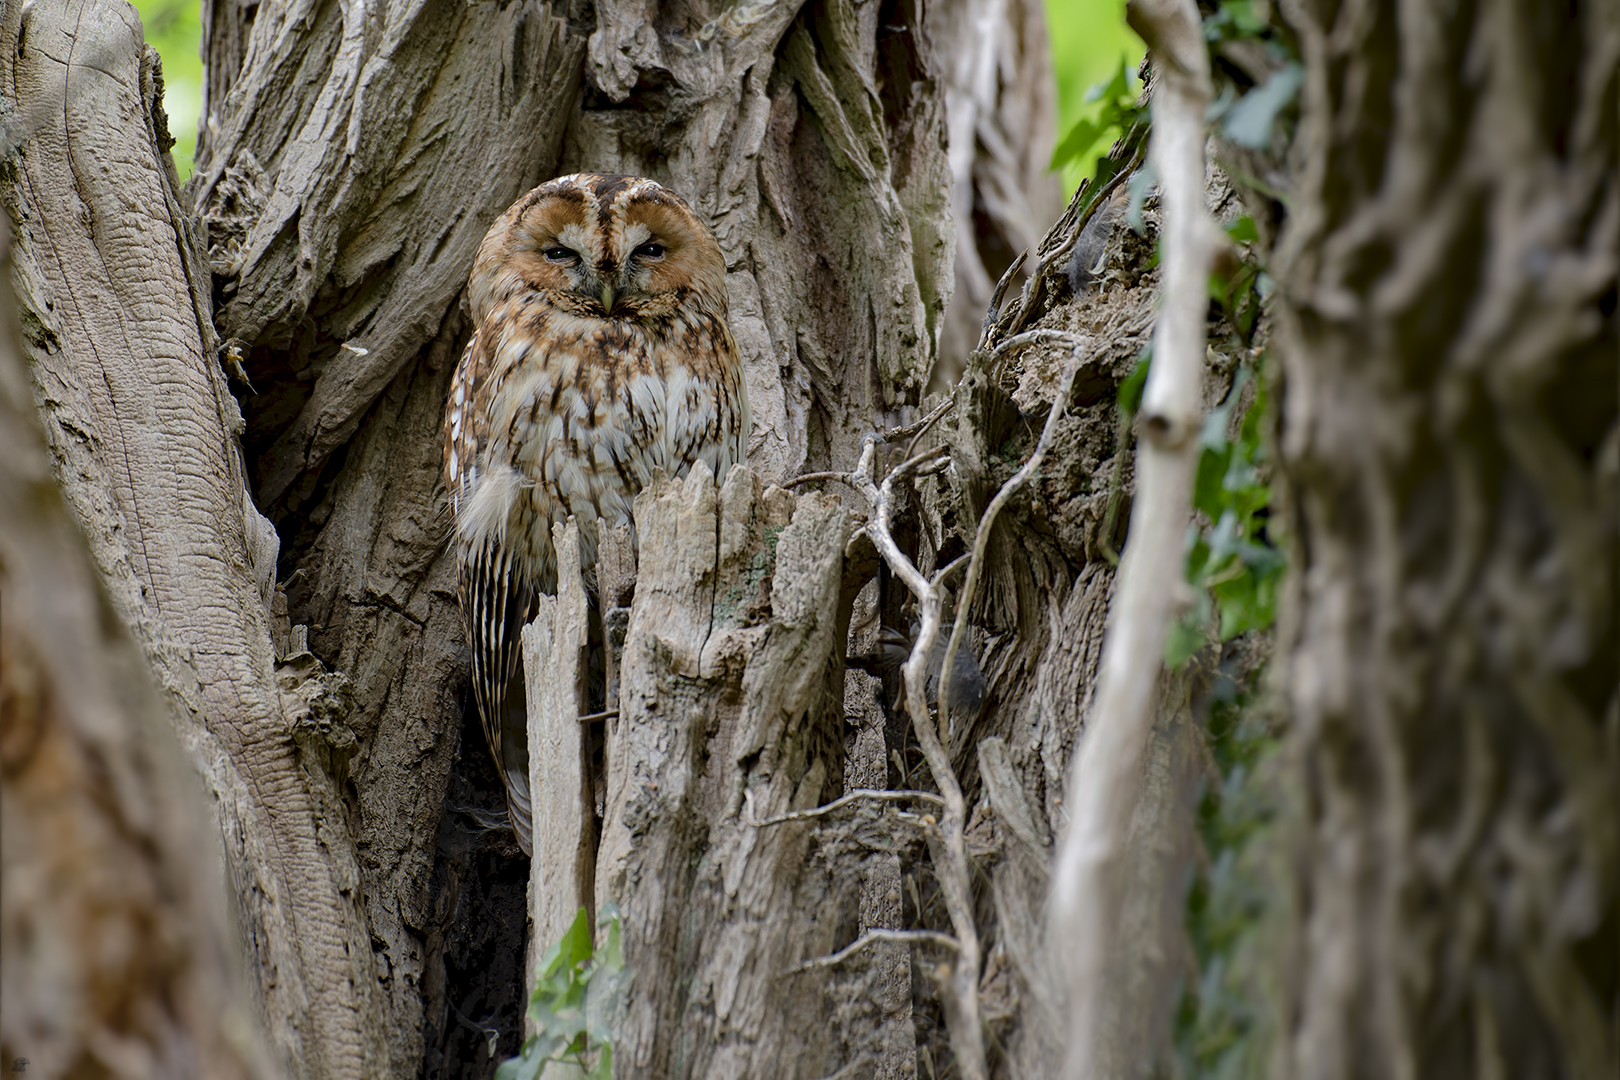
(117, 956)
(731, 713)
(555, 663)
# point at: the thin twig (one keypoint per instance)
(993, 313)
(872, 937)
(1042, 336)
(981, 537)
(809, 477)
(912, 464)
(927, 422)
(608, 714)
(859, 794)
(948, 846)
(950, 568)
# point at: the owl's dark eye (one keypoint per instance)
(562, 256)
(650, 252)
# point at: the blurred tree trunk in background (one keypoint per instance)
(1002, 112)
(1448, 652)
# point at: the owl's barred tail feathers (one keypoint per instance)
(496, 603)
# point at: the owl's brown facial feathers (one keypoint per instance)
(609, 246)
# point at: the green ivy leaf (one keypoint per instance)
(1130, 391)
(1249, 122)
(1242, 230)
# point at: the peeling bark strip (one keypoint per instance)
(142, 431)
(555, 663)
(1451, 449)
(731, 713)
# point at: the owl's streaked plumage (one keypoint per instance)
(602, 352)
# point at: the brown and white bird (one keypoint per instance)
(602, 353)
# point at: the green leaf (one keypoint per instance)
(1243, 231)
(1182, 642)
(1137, 188)
(1249, 122)
(1130, 391)
(1080, 138)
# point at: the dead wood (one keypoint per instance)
(730, 713)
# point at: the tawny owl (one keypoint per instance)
(602, 353)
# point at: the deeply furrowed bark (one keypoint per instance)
(352, 158)
(343, 197)
(143, 432)
(1449, 443)
(116, 956)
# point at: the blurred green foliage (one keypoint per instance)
(1224, 1025)
(578, 997)
(175, 28)
(1090, 41)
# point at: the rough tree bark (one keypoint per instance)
(1449, 444)
(351, 157)
(116, 954)
(142, 431)
(350, 161)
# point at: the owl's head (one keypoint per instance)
(600, 246)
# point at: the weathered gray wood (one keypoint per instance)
(866, 765)
(561, 877)
(615, 586)
(730, 713)
(143, 435)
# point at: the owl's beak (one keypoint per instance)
(607, 298)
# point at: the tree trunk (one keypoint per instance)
(1449, 445)
(142, 430)
(351, 160)
(116, 956)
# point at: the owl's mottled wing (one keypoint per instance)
(496, 600)
(497, 603)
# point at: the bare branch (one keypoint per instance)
(858, 795)
(921, 426)
(949, 847)
(810, 477)
(1042, 336)
(872, 937)
(1087, 889)
(950, 568)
